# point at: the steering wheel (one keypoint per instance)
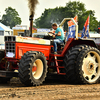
(51, 34)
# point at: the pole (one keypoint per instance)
(31, 24)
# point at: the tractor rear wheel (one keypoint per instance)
(32, 68)
(88, 66)
(82, 64)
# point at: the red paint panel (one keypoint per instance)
(22, 48)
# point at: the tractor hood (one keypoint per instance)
(27, 40)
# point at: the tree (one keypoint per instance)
(11, 18)
(71, 9)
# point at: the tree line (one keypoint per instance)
(56, 15)
(11, 17)
(71, 9)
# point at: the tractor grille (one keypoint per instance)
(10, 38)
(10, 48)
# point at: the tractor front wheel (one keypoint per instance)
(32, 68)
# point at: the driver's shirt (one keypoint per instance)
(62, 33)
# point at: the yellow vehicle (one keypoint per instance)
(22, 30)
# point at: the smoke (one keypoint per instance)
(32, 5)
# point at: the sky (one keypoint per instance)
(21, 7)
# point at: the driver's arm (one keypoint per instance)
(59, 34)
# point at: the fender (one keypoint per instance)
(72, 42)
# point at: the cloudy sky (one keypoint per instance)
(22, 8)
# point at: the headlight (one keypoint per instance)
(10, 54)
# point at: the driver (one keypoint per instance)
(58, 35)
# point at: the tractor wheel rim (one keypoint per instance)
(91, 66)
(37, 69)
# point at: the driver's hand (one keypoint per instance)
(50, 33)
(53, 32)
(53, 36)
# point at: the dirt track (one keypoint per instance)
(50, 90)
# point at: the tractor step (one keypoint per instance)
(8, 74)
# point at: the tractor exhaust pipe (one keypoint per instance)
(31, 24)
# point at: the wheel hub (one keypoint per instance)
(34, 69)
(91, 67)
(37, 69)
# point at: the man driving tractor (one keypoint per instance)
(58, 35)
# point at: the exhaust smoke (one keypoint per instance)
(32, 5)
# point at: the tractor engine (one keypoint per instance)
(16, 46)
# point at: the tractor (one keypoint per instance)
(78, 60)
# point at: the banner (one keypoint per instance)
(85, 32)
(71, 29)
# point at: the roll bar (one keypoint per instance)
(64, 20)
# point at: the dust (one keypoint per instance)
(32, 5)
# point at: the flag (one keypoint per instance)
(85, 32)
(71, 28)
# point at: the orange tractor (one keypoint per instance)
(78, 60)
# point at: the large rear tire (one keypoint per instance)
(32, 68)
(74, 64)
(88, 66)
